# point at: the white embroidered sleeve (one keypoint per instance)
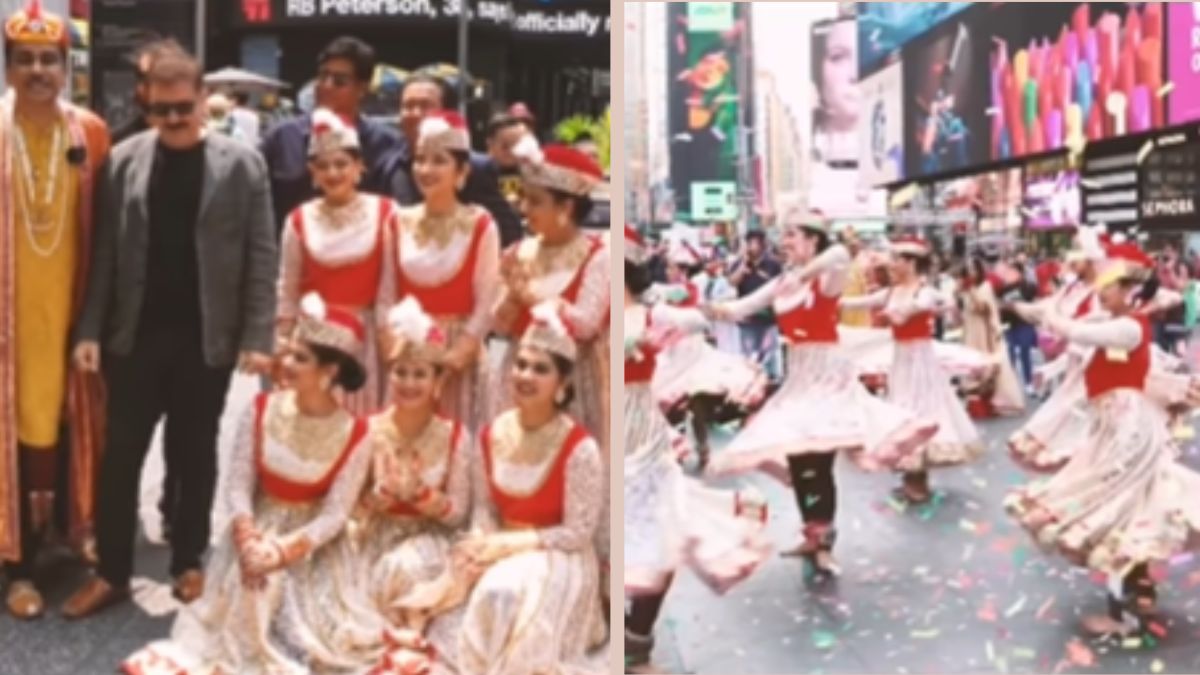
(240, 483)
(1120, 333)
(386, 297)
(291, 258)
(487, 282)
(584, 497)
(833, 268)
(589, 313)
(757, 301)
(483, 511)
(685, 319)
(342, 497)
(458, 484)
(870, 301)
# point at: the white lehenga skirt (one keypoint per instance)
(822, 407)
(310, 618)
(693, 367)
(534, 612)
(671, 520)
(1123, 498)
(1060, 426)
(918, 382)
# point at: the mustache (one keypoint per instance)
(37, 79)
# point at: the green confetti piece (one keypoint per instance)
(1024, 653)
(823, 639)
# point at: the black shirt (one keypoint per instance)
(172, 277)
(1022, 291)
(760, 272)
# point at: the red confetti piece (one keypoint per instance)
(1079, 654)
(1157, 629)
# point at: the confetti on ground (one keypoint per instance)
(1156, 666)
(1045, 608)
(926, 634)
(1015, 608)
(1131, 643)
(1024, 653)
(823, 639)
(987, 612)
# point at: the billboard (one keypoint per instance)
(881, 140)
(944, 101)
(1170, 177)
(885, 27)
(1052, 195)
(705, 51)
(834, 184)
(1183, 61)
(1000, 194)
(1061, 71)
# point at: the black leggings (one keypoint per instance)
(816, 491)
(643, 613)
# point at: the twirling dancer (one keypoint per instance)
(333, 246)
(1060, 425)
(670, 520)
(917, 381)
(821, 407)
(694, 379)
(1123, 500)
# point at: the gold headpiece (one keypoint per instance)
(35, 26)
(330, 327)
(557, 167)
(417, 335)
(330, 132)
(549, 332)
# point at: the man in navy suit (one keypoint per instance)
(422, 95)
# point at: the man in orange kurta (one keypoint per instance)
(50, 152)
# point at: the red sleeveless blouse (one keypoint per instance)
(546, 506)
(353, 285)
(452, 298)
(286, 489)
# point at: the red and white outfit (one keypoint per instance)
(918, 380)
(1123, 498)
(296, 477)
(821, 406)
(672, 520)
(690, 366)
(536, 609)
(451, 264)
(337, 252)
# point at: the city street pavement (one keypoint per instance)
(953, 587)
(54, 646)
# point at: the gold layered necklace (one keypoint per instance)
(440, 229)
(551, 258)
(40, 214)
(340, 217)
(530, 447)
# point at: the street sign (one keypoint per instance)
(714, 200)
(711, 17)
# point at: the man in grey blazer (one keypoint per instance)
(182, 290)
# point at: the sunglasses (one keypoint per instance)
(45, 59)
(164, 110)
(336, 79)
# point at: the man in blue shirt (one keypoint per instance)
(344, 72)
(424, 94)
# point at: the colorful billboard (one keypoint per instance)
(704, 60)
(885, 27)
(944, 101)
(1063, 71)
(1183, 61)
(1052, 195)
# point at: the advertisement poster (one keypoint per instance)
(885, 27)
(881, 141)
(836, 114)
(957, 203)
(1110, 183)
(1000, 195)
(1051, 195)
(944, 100)
(1183, 61)
(704, 48)
(1072, 71)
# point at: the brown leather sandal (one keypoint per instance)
(24, 601)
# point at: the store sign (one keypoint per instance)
(714, 201)
(575, 19)
(1169, 177)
